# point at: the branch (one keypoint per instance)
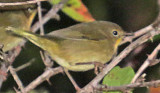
(40, 17)
(46, 75)
(16, 78)
(21, 3)
(146, 63)
(52, 13)
(24, 65)
(129, 86)
(138, 33)
(46, 59)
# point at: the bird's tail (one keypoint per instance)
(34, 38)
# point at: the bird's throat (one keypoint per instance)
(117, 43)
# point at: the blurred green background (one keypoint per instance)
(130, 14)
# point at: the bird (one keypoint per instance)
(77, 46)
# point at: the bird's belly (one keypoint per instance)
(77, 55)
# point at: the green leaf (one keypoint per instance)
(156, 37)
(76, 10)
(118, 76)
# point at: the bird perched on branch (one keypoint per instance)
(78, 47)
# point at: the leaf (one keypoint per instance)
(156, 37)
(154, 90)
(76, 10)
(118, 76)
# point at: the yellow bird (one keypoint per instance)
(76, 46)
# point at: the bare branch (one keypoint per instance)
(129, 86)
(16, 78)
(24, 65)
(52, 12)
(47, 74)
(146, 63)
(72, 80)
(40, 17)
(46, 59)
(20, 3)
(138, 33)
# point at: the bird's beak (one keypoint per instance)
(124, 35)
(128, 34)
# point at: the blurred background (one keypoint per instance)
(132, 15)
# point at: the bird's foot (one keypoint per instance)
(98, 67)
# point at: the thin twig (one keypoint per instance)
(46, 59)
(47, 62)
(52, 12)
(72, 80)
(20, 3)
(137, 34)
(24, 65)
(47, 74)
(16, 78)
(40, 17)
(146, 63)
(155, 83)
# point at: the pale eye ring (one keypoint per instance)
(115, 33)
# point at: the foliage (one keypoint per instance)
(118, 76)
(76, 10)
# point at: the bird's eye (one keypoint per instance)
(115, 33)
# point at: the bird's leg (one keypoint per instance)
(98, 66)
(72, 80)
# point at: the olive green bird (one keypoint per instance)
(76, 46)
(15, 16)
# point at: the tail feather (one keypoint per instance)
(34, 38)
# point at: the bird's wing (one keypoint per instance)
(80, 32)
